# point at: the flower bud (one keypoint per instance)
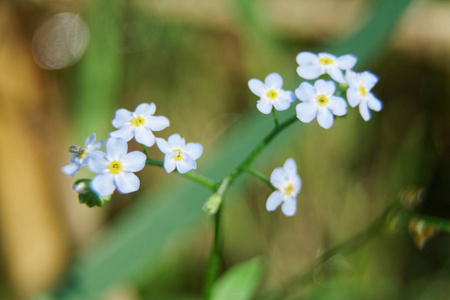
(212, 205)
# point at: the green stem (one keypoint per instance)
(275, 119)
(214, 258)
(260, 176)
(203, 180)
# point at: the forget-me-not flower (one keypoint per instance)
(178, 154)
(138, 124)
(358, 93)
(116, 168)
(271, 93)
(318, 100)
(288, 184)
(81, 155)
(311, 65)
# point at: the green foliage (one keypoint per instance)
(240, 282)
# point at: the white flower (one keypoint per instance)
(115, 168)
(81, 155)
(358, 93)
(271, 93)
(318, 100)
(288, 184)
(139, 124)
(311, 65)
(178, 154)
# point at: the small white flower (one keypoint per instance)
(311, 65)
(81, 155)
(318, 100)
(271, 93)
(116, 168)
(139, 124)
(178, 154)
(358, 93)
(288, 184)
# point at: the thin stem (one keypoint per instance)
(347, 246)
(275, 118)
(203, 180)
(214, 258)
(260, 176)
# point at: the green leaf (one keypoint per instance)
(240, 282)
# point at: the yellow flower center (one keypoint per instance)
(137, 121)
(322, 100)
(289, 189)
(82, 153)
(326, 61)
(178, 156)
(272, 94)
(362, 91)
(115, 167)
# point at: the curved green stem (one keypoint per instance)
(260, 176)
(275, 118)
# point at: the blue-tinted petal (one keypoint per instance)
(290, 167)
(336, 74)
(324, 87)
(353, 97)
(306, 111)
(325, 118)
(126, 182)
(103, 184)
(274, 81)
(158, 123)
(289, 207)
(310, 71)
(134, 161)
(306, 92)
(122, 117)
(98, 162)
(144, 136)
(145, 109)
(186, 164)
(256, 86)
(125, 132)
(264, 106)
(278, 178)
(346, 62)
(364, 111)
(374, 103)
(338, 106)
(274, 200)
(71, 169)
(194, 150)
(163, 146)
(116, 148)
(89, 140)
(175, 140)
(169, 162)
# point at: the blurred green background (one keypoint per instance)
(66, 66)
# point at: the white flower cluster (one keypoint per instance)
(317, 100)
(116, 167)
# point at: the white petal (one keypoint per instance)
(103, 184)
(353, 97)
(194, 150)
(306, 111)
(346, 62)
(274, 81)
(290, 167)
(169, 162)
(71, 169)
(186, 164)
(158, 123)
(310, 71)
(364, 111)
(297, 185)
(98, 162)
(122, 116)
(89, 140)
(374, 103)
(144, 136)
(256, 86)
(324, 87)
(327, 55)
(338, 106)
(291, 96)
(336, 74)
(134, 161)
(289, 207)
(175, 140)
(368, 80)
(325, 118)
(264, 105)
(274, 200)
(278, 178)
(282, 103)
(305, 92)
(145, 109)
(306, 58)
(93, 147)
(352, 79)
(125, 132)
(126, 182)
(163, 146)
(116, 148)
